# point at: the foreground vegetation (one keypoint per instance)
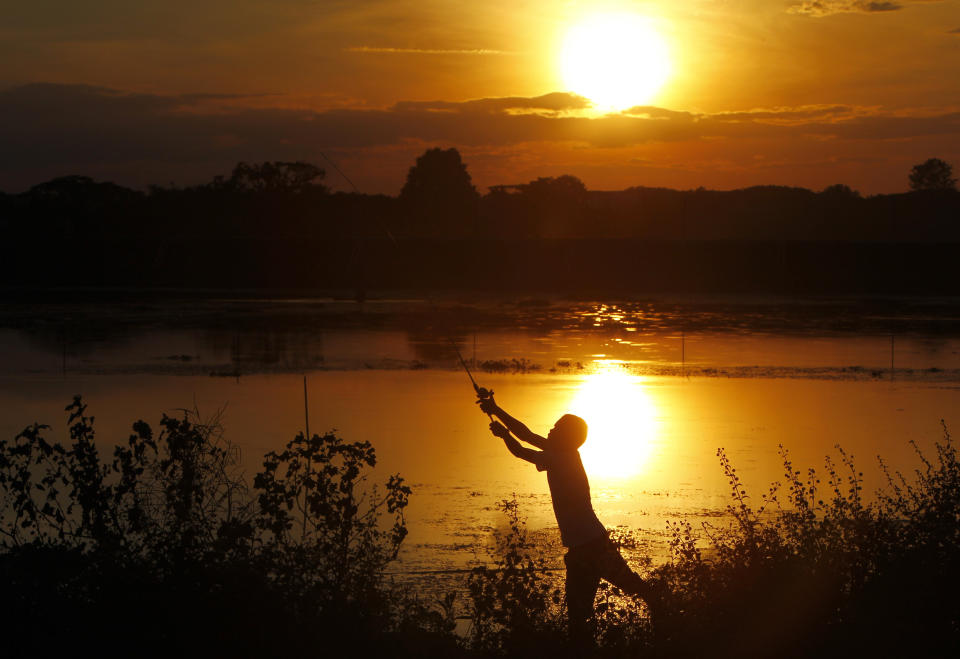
(163, 548)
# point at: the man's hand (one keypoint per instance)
(499, 430)
(488, 405)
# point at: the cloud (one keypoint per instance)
(554, 102)
(823, 162)
(49, 130)
(819, 8)
(799, 115)
(785, 116)
(652, 112)
(425, 51)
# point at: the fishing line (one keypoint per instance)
(481, 392)
(393, 241)
(340, 172)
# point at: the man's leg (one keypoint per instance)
(581, 589)
(614, 569)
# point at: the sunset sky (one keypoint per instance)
(805, 92)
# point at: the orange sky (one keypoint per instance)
(792, 92)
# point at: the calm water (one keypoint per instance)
(662, 384)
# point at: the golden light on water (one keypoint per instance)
(616, 60)
(622, 421)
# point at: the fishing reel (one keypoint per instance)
(483, 393)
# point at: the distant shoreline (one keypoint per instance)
(570, 268)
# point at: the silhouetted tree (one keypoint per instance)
(840, 191)
(80, 193)
(558, 203)
(570, 188)
(78, 208)
(439, 197)
(933, 174)
(275, 177)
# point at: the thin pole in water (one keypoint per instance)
(891, 355)
(306, 410)
(306, 419)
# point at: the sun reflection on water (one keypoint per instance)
(622, 419)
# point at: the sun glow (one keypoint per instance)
(622, 422)
(616, 60)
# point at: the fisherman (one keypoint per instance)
(591, 555)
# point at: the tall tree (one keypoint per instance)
(933, 174)
(439, 196)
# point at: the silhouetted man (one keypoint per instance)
(590, 553)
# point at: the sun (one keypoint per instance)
(616, 60)
(622, 423)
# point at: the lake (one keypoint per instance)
(662, 383)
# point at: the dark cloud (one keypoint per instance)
(206, 96)
(554, 102)
(48, 130)
(171, 20)
(820, 8)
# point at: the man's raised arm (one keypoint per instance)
(489, 406)
(528, 454)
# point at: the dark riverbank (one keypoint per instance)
(577, 267)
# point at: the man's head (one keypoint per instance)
(569, 432)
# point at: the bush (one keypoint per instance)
(514, 608)
(164, 549)
(822, 573)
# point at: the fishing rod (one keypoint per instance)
(482, 393)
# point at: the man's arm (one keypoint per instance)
(528, 454)
(489, 406)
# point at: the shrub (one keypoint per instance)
(164, 549)
(822, 573)
(514, 607)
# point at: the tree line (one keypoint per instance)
(256, 222)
